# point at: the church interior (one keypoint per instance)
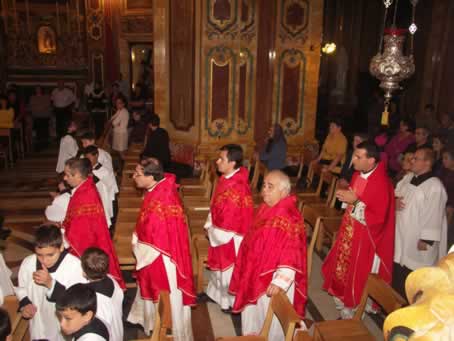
(309, 73)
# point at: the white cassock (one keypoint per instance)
(96, 330)
(66, 272)
(108, 179)
(105, 199)
(68, 149)
(422, 218)
(105, 159)
(253, 316)
(6, 286)
(219, 281)
(143, 311)
(109, 297)
(56, 211)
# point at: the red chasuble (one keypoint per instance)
(85, 226)
(161, 225)
(350, 260)
(276, 240)
(231, 210)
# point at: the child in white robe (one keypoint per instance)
(95, 264)
(68, 147)
(77, 313)
(43, 276)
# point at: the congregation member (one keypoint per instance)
(228, 221)
(447, 178)
(274, 154)
(398, 144)
(438, 145)
(160, 244)
(77, 312)
(447, 126)
(63, 100)
(97, 107)
(40, 108)
(49, 267)
(157, 142)
(348, 169)
(272, 258)
(89, 139)
(109, 296)
(422, 135)
(365, 241)
(332, 154)
(120, 122)
(85, 223)
(421, 227)
(68, 147)
(427, 118)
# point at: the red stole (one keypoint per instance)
(161, 225)
(350, 260)
(231, 210)
(276, 240)
(85, 226)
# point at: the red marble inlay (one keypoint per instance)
(220, 92)
(290, 92)
(242, 95)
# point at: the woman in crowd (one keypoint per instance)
(398, 144)
(438, 144)
(120, 127)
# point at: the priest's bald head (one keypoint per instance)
(148, 173)
(76, 171)
(276, 186)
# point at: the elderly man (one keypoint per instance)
(365, 241)
(421, 225)
(229, 219)
(85, 223)
(272, 258)
(161, 246)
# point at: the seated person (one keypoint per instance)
(43, 276)
(332, 154)
(95, 264)
(77, 313)
(5, 326)
(68, 147)
(274, 154)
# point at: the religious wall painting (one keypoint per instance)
(222, 17)
(220, 65)
(289, 91)
(294, 20)
(245, 91)
(47, 40)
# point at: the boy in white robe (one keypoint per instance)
(421, 224)
(95, 264)
(56, 211)
(77, 313)
(68, 147)
(42, 276)
(88, 139)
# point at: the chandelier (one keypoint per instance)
(390, 66)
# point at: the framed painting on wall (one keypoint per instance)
(47, 40)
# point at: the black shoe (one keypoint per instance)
(203, 298)
(227, 311)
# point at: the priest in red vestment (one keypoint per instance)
(85, 221)
(272, 258)
(230, 217)
(365, 241)
(161, 246)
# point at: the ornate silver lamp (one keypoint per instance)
(391, 66)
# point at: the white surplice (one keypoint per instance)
(109, 181)
(6, 286)
(422, 218)
(56, 211)
(45, 324)
(68, 149)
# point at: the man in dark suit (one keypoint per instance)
(157, 145)
(347, 169)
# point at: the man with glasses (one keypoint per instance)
(421, 225)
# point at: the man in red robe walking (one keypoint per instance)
(230, 217)
(161, 246)
(272, 258)
(365, 241)
(85, 221)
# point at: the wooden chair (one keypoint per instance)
(200, 180)
(377, 289)
(316, 198)
(19, 326)
(163, 320)
(302, 335)
(200, 246)
(286, 314)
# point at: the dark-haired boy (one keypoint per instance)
(95, 264)
(77, 313)
(42, 276)
(89, 139)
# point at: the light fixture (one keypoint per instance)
(329, 48)
(133, 56)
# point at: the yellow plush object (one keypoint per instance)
(430, 315)
(7, 118)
